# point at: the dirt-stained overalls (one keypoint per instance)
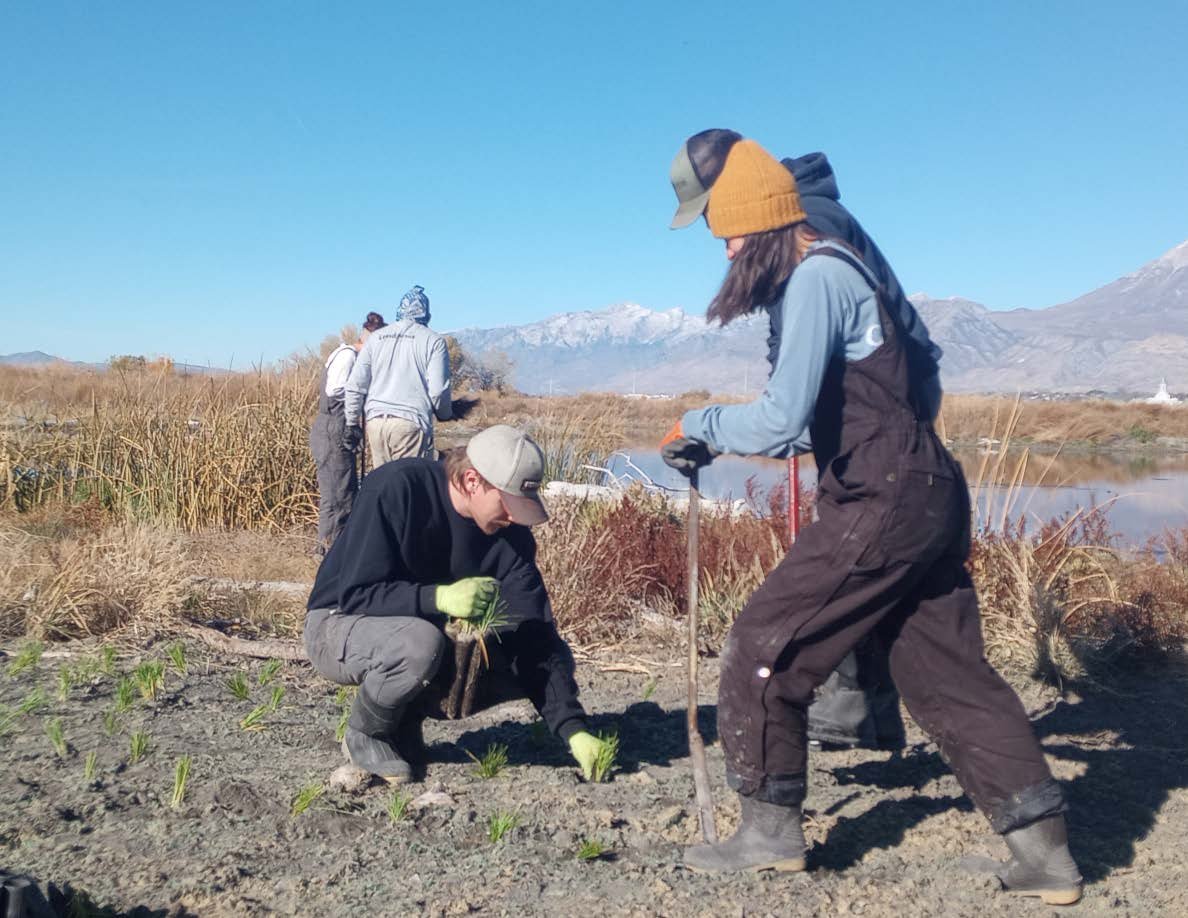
(887, 553)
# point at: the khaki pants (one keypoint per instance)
(396, 438)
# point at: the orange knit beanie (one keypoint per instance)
(753, 194)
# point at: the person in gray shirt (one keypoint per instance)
(399, 384)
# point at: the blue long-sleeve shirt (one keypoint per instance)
(829, 310)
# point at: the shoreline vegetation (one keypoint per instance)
(120, 491)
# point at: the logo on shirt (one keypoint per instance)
(874, 335)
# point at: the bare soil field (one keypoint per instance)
(886, 830)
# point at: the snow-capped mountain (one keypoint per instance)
(1122, 337)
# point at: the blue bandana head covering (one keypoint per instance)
(414, 305)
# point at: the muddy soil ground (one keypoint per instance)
(885, 830)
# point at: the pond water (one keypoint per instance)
(1141, 495)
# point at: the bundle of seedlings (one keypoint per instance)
(464, 682)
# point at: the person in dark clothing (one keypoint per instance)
(886, 555)
(858, 704)
(338, 478)
(430, 542)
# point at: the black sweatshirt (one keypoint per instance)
(404, 538)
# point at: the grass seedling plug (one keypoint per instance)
(181, 774)
(89, 766)
(398, 805)
(493, 761)
(268, 671)
(305, 798)
(65, 683)
(499, 824)
(237, 685)
(150, 678)
(177, 656)
(26, 658)
(139, 746)
(54, 731)
(111, 723)
(278, 692)
(591, 850)
(125, 694)
(254, 718)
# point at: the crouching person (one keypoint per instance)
(430, 543)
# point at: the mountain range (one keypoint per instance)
(1119, 339)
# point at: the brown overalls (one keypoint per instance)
(887, 553)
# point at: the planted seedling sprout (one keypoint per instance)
(89, 766)
(268, 671)
(150, 678)
(253, 720)
(181, 774)
(237, 685)
(65, 683)
(493, 761)
(499, 824)
(278, 692)
(591, 850)
(125, 694)
(111, 723)
(305, 798)
(108, 656)
(139, 746)
(398, 805)
(26, 658)
(177, 656)
(53, 730)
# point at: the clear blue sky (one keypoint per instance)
(210, 179)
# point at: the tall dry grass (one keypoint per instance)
(968, 418)
(229, 451)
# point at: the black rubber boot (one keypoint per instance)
(1041, 864)
(368, 740)
(769, 837)
(410, 740)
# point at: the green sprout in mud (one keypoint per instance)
(253, 720)
(344, 697)
(398, 805)
(268, 671)
(305, 798)
(237, 685)
(604, 762)
(125, 694)
(150, 678)
(89, 766)
(111, 723)
(30, 703)
(177, 656)
(26, 658)
(54, 731)
(139, 746)
(65, 683)
(591, 849)
(181, 774)
(499, 824)
(345, 694)
(87, 670)
(493, 761)
(107, 660)
(278, 692)
(650, 688)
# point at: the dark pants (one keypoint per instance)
(338, 479)
(844, 578)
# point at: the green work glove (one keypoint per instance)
(470, 597)
(585, 748)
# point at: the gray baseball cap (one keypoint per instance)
(696, 167)
(512, 462)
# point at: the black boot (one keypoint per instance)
(368, 740)
(769, 837)
(1041, 864)
(410, 740)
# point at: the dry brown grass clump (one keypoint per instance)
(966, 418)
(89, 582)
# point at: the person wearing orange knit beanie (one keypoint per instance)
(887, 553)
